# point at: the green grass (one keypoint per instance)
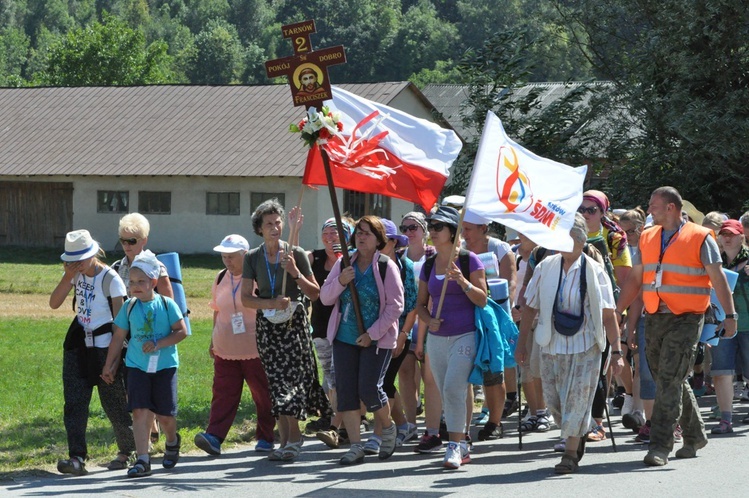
(32, 435)
(38, 271)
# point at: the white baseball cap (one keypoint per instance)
(233, 243)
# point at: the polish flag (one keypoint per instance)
(385, 151)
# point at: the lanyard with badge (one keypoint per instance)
(153, 358)
(665, 244)
(272, 278)
(88, 300)
(237, 320)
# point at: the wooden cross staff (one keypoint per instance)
(307, 73)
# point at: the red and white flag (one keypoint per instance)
(536, 196)
(382, 150)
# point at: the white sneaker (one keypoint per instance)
(453, 456)
(629, 404)
(745, 394)
(738, 389)
(406, 435)
(372, 446)
(478, 393)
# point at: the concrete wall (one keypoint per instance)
(188, 229)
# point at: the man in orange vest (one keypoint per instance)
(679, 263)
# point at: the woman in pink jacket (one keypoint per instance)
(361, 359)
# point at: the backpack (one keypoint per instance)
(603, 247)
(106, 282)
(463, 263)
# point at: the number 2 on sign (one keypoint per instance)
(301, 44)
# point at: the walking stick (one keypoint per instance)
(601, 386)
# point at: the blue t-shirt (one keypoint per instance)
(369, 303)
(150, 320)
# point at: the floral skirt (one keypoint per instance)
(289, 361)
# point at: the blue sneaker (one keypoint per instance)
(208, 443)
(264, 446)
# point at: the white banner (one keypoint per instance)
(513, 186)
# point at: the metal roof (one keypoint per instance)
(158, 130)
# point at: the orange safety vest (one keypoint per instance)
(685, 285)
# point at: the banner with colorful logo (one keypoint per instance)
(528, 193)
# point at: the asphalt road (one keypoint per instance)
(498, 468)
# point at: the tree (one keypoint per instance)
(218, 56)
(14, 52)
(682, 68)
(107, 53)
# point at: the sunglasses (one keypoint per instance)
(436, 227)
(408, 228)
(128, 242)
(589, 210)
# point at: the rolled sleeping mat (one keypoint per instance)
(491, 265)
(500, 292)
(709, 329)
(171, 261)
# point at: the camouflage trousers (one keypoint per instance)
(670, 347)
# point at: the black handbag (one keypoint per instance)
(568, 324)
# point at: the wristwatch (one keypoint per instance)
(735, 316)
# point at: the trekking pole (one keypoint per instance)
(520, 410)
(605, 388)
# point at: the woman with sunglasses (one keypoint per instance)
(451, 346)
(414, 226)
(133, 232)
(607, 236)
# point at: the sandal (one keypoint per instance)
(568, 465)
(140, 469)
(529, 424)
(276, 455)
(119, 463)
(291, 451)
(171, 453)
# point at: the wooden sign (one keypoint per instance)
(306, 70)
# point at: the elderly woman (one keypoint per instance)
(361, 357)
(95, 285)
(235, 358)
(285, 347)
(477, 240)
(572, 296)
(451, 345)
(729, 354)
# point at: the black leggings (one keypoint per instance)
(388, 383)
(599, 401)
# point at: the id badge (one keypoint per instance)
(237, 323)
(658, 278)
(153, 362)
(89, 339)
(269, 312)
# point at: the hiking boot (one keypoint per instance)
(354, 455)
(511, 406)
(429, 444)
(263, 446)
(689, 450)
(656, 458)
(490, 432)
(208, 443)
(74, 466)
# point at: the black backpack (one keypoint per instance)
(463, 263)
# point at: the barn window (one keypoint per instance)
(112, 201)
(257, 198)
(358, 204)
(154, 202)
(222, 203)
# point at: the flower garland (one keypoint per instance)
(318, 127)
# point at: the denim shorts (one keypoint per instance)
(729, 353)
(153, 391)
